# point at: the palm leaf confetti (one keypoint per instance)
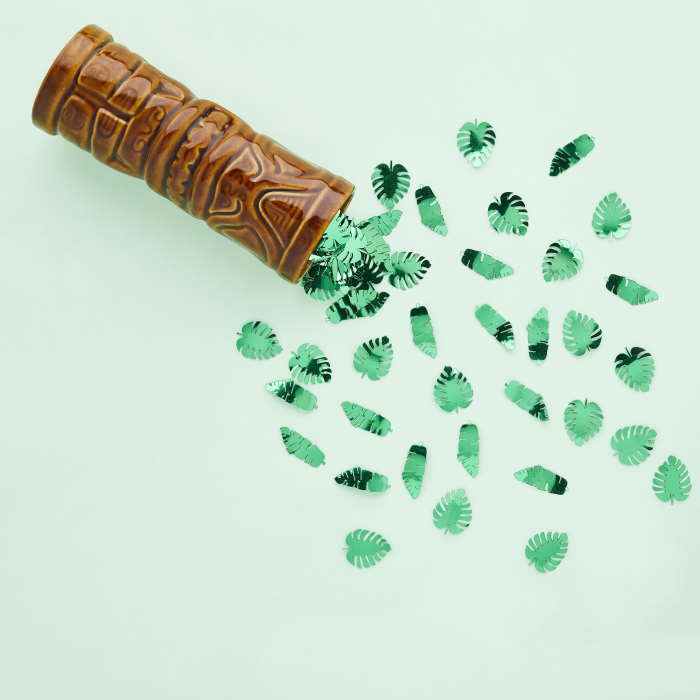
(406, 270)
(508, 214)
(546, 550)
(583, 420)
(612, 217)
(581, 333)
(475, 141)
(364, 548)
(373, 358)
(542, 479)
(538, 336)
(302, 448)
(320, 283)
(363, 480)
(527, 399)
(496, 325)
(290, 392)
(430, 211)
(382, 224)
(453, 512)
(309, 365)
(671, 482)
(570, 154)
(485, 265)
(452, 390)
(390, 183)
(468, 448)
(257, 341)
(422, 331)
(414, 469)
(357, 303)
(633, 444)
(635, 368)
(630, 291)
(561, 261)
(366, 419)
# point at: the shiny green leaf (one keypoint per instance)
(581, 333)
(527, 399)
(406, 269)
(373, 358)
(633, 444)
(430, 211)
(453, 512)
(671, 481)
(546, 550)
(485, 265)
(257, 341)
(636, 368)
(309, 365)
(365, 548)
(496, 325)
(538, 336)
(390, 183)
(452, 390)
(292, 393)
(383, 223)
(422, 331)
(570, 154)
(542, 479)
(583, 420)
(414, 469)
(357, 303)
(319, 282)
(612, 217)
(366, 419)
(468, 448)
(302, 448)
(475, 141)
(363, 480)
(507, 214)
(561, 261)
(630, 291)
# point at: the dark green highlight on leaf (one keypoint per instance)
(527, 399)
(382, 224)
(468, 448)
(475, 142)
(612, 217)
(561, 261)
(364, 548)
(422, 331)
(319, 283)
(406, 269)
(632, 292)
(581, 333)
(302, 448)
(636, 368)
(292, 393)
(360, 303)
(373, 358)
(542, 479)
(430, 211)
(538, 336)
(633, 444)
(309, 365)
(414, 469)
(507, 214)
(671, 481)
(485, 265)
(453, 512)
(257, 341)
(390, 183)
(366, 419)
(363, 480)
(546, 550)
(572, 153)
(583, 420)
(496, 325)
(452, 390)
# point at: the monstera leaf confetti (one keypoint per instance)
(630, 291)
(292, 393)
(486, 266)
(257, 341)
(507, 214)
(542, 479)
(636, 368)
(582, 419)
(633, 444)
(475, 141)
(390, 183)
(527, 399)
(430, 211)
(357, 303)
(363, 480)
(452, 390)
(546, 550)
(382, 224)
(538, 336)
(572, 153)
(581, 333)
(671, 481)
(612, 217)
(453, 512)
(309, 365)
(422, 331)
(302, 448)
(364, 548)
(366, 419)
(496, 325)
(406, 269)
(319, 283)
(561, 261)
(468, 448)
(373, 358)
(414, 469)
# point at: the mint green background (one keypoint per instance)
(157, 543)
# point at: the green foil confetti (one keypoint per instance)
(257, 341)
(546, 550)
(671, 481)
(292, 393)
(635, 368)
(468, 448)
(452, 390)
(475, 141)
(561, 261)
(373, 358)
(422, 331)
(390, 183)
(414, 469)
(612, 217)
(357, 303)
(364, 548)
(382, 224)
(633, 444)
(406, 269)
(508, 214)
(430, 211)
(527, 399)
(581, 333)
(366, 419)
(309, 365)
(302, 448)
(453, 512)
(582, 420)
(538, 336)
(319, 283)
(542, 479)
(630, 291)
(363, 480)
(570, 154)
(496, 325)
(486, 266)
(365, 274)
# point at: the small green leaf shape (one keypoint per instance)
(538, 336)
(406, 269)
(630, 291)
(257, 341)
(635, 368)
(582, 420)
(364, 274)
(612, 217)
(581, 333)
(430, 211)
(546, 550)
(309, 365)
(561, 261)
(364, 548)
(357, 303)
(366, 419)
(542, 479)
(527, 399)
(319, 283)
(570, 154)
(337, 237)
(468, 448)
(292, 393)
(390, 183)
(452, 390)
(671, 481)
(382, 224)
(302, 448)
(633, 444)
(475, 141)
(496, 325)
(373, 358)
(422, 331)
(363, 480)
(508, 214)
(485, 265)
(453, 512)
(414, 469)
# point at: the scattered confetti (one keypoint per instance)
(365, 548)
(561, 261)
(468, 448)
(546, 550)
(583, 420)
(292, 393)
(612, 217)
(572, 153)
(373, 358)
(430, 211)
(452, 390)
(302, 448)
(422, 331)
(633, 444)
(671, 481)
(527, 399)
(486, 266)
(363, 480)
(382, 224)
(538, 336)
(390, 183)
(581, 333)
(319, 283)
(542, 479)
(414, 469)
(366, 419)
(475, 142)
(453, 512)
(496, 325)
(257, 341)
(309, 365)
(360, 303)
(630, 291)
(406, 269)
(636, 368)
(507, 214)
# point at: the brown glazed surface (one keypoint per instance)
(129, 115)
